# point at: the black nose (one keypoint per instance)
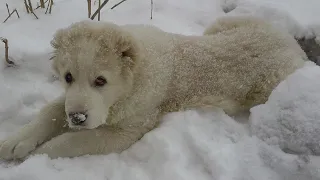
(78, 118)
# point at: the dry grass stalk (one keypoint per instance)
(99, 9)
(89, 8)
(8, 17)
(30, 6)
(42, 4)
(30, 9)
(50, 8)
(26, 5)
(14, 11)
(6, 53)
(117, 4)
(8, 9)
(151, 9)
(47, 8)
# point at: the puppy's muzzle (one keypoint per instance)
(78, 118)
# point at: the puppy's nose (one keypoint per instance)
(78, 118)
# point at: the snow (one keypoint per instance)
(290, 118)
(285, 14)
(80, 116)
(279, 142)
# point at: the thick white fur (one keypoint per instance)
(234, 66)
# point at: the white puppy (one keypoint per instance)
(119, 80)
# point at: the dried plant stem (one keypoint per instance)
(117, 4)
(15, 10)
(6, 53)
(30, 6)
(42, 4)
(99, 9)
(51, 3)
(47, 7)
(89, 8)
(25, 3)
(8, 9)
(151, 9)
(32, 12)
(8, 17)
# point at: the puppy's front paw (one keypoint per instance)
(16, 149)
(60, 146)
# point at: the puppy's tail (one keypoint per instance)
(310, 46)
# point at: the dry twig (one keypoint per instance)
(25, 3)
(51, 3)
(8, 9)
(15, 10)
(117, 4)
(89, 8)
(42, 3)
(99, 9)
(6, 53)
(30, 9)
(8, 17)
(49, 7)
(30, 6)
(151, 8)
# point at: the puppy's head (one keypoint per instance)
(95, 62)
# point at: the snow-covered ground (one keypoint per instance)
(187, 145)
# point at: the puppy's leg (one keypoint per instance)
(48, 124)
(99, 141)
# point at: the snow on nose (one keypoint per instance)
(78, 118)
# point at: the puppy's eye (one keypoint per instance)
(100, 81)
(68, 77)
(125, 53)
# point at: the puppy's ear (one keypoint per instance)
(56, 45)
(57, 39)
(129, 51)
